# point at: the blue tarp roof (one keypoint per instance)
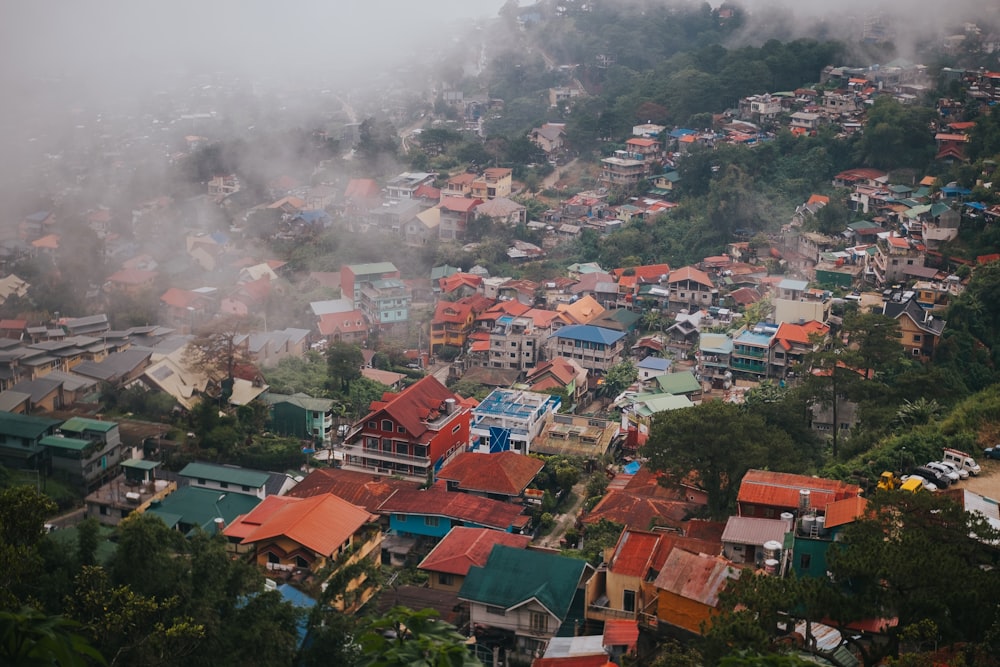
(978, 205)
(632, 468)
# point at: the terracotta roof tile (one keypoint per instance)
(358, 488)
(464, 547)
(320, 523)
(414, 405)
(507, 473)
(436, 501)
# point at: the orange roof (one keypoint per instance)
(320, 523)
(498, 172)
(456, 313)
(597, 660)
(928, 180)
(559, 368)
(465, 178)
(621, 632)
(897, 241)
(690, 273)
(944, 136)
(457, 280)
(633, 553)
(480, 346)
(245, 524)
(798, 333)
(642, 142)
(459, 204)
(506, 473)
(464, 547)
(353, 321)
(966, 125)
(465, 507)
(514, 308)
(48, 242)
(427, 191)
(648, 273)
(780, 489)
(818, 199)
(132, 276)
(845, 511)
(542, 318)
(361, 188)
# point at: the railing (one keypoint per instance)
(359, 451)
(604, 613)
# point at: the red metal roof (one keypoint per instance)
(845, 511)
(464, 547)
(697, 577)
(507, 473)
(621, 632)
(454, 313)
(353, 321)
(358, 488)
(414, 406)
(781, 489)
(320, 523)
(465, 507)
(600, 660)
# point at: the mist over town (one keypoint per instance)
(556, 334)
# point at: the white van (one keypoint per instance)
(961, 460)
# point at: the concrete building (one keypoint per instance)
(510, 419)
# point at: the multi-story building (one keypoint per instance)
(691, 289)
(514, 343)
(494, 182)
(623, 170)
(594, 348)
(452, 324)
(455, 214)
(302, 416)
(20, 441)
(791, 342)
(510, 419)
(893, 256)
(714, 352)
(354, 276)
(405, 185)
(87, 451)
(751, 350)
(386, 303)
(410, 433)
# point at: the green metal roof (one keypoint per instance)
(647, 405)
(369, 269)
(81, 424)
(678, 383)
(304, 401)
(240, 476)
(61, 442)
(200, 507)
(25, 426)
(512, 577)
(140, 464)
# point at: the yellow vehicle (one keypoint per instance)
(888, 481)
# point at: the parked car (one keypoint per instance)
(940, 479)
(944, 470)
(962, 460)
(928, 486)
(962, 472)
(992, 452)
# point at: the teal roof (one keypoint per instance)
(443, 271)
(715, 343)
(25, 426)
(140, 464)
(240, 476)
(589, 334)
(678, 383)
(60, 442)
(200, 507)
(512, 577)
(81, 424)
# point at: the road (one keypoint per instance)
(566, 520)
(553, 178)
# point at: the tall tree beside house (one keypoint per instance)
(718, 442)
(216, 349)
(617, 379)
(408, 638)
(343, 363)
(22, 515)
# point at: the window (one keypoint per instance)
(372, 424)
(104, 510)
(272, 558)
(446, 579)
(431, 521)
(224, 485)
(496, 611)
(386, 425)
(400, 429)
(456, 428)
(399, 517)
(540, 622)
(301, 562)
(628, 600)
(804, 561)
(916, 338)
(246, 489)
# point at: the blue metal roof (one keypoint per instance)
(590, 334)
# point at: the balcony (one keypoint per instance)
(382, 455)
(755, 352)
(749, 366)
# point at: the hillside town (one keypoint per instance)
(501, 379)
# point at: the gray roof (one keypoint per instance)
(37, 389)
(115, 365)
(752, 530)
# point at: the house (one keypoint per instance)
(745, 539)
(462, 548)
(226, 479)
(514, 343)
(190, 509)
(813, 538)
(576, 435)
(549, 137)
(503, 211)
(585, 306)
(637, 412)
(134, 491)
(690, 289)
(622, 588)
(406, 184)
(130, 281)
(527, 596)
(713, 355)
(187, 310)
(434, 511)
(768, 495)
(595, 348)
(644, 500)
(459, 185)
(119, 368)
(919, 329)
(651, 367)
(499, 476)
(494, 182)
(451, 324)
(267, 348)
(751, 350)
(790, 344)
(688, 588)
(894, 254)
(312, 534)
(455, 215)
(409, 433)
(623, 171)
(301, 416)
(510, 419)
(679, 383)
(358, 488)
(347, 326)
(20, 440)
(562, 374)
(87, 451)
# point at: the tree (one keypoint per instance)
(343, 362)
(29, 637)
(218, 349)
(617, 379)
(146, 556)
(408, 638)
(22, 516)
(719, 442)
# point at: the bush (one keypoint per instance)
(448, 353)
